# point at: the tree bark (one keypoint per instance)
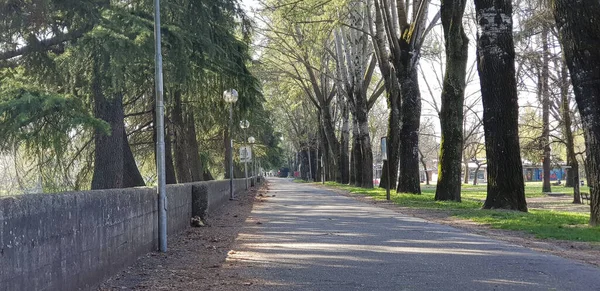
(344, 145)
(424, 164)
(466, 162)
(546, 165)
(333, 142)
(366, 163)
(108, 154)
(495, 60)
(392, 90)
(393, 141)
(182, 162)
(170, 175)
(364, 139)
(356, 175)
(404, 57)
(326, 153)
(131, 174)
(573, 172)
(578, 24)
(453, 96)
(408, 180)
(476, 178)
(192, 148)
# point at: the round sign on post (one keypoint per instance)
(384, 148)
(384, 158)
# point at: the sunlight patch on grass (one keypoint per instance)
(540, 223)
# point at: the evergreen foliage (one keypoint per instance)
(65, 61)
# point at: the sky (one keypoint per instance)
(247, 4)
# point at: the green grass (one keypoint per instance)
(540, 223)
(534, 189)
(300, 181)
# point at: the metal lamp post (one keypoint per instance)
(230, 96)
(384, 158)
(244, 124)
(160, 133)
(251, 141)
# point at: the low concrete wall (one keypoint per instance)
(209, 196)
(72, 241)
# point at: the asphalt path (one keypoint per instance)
(310, 238)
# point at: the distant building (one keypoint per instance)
(479, 171)
(536, 173)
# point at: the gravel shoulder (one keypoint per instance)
(195, 257)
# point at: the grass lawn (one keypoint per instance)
(541, 223)
(479, 192)
(296, 180)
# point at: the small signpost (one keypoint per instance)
(384, 158)
(245, 154)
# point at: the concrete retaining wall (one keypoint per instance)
(209, 196)
(72, 241)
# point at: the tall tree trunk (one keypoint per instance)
(366, 152)
(345, 144)
(393, 97)
(207, 175)
(352, 180)
(569, 171)
(131, 174)
(476, 178)
(453, 96)
(108, 154)
(356, 172)
(495, 59)
(546, 110)
(303, 165)
(192, 150)
(466, 162)
(393, 140)
(326, 153)
(366, 162)
(409, 180)
(182, 161)
(424, 164)
(578, 24)
(573, 172)
(332, 141)
(170, 176)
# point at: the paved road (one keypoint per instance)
(314, 239)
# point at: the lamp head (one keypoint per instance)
(251, 139)
(230, 96)
(244, 124)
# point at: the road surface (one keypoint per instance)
(309, 238)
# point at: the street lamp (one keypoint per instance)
(160, 133)
(251, 141)
(244, 124)
(230, 96)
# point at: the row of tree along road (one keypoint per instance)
(76, 105)
(330, 63)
